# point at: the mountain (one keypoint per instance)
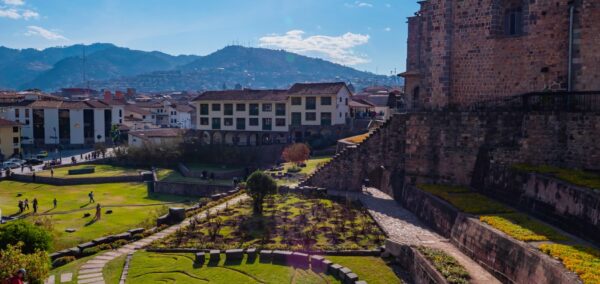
(112, 67)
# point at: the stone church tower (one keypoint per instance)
(460, 52)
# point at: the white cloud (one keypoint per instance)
(387, 29)
(39, 31)
(28, 14)
(10, 13)
(338, 49)
(14, 2)
(358, 4)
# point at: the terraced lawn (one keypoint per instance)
(311, 165)
(175, 176)
(99, 171)
(179, 268)
(576, 177)
(131, 205)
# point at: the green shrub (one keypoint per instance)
(118, 243)
(294, 169)
(37, 264)
(453, 271)
(33, 237)
(90, 251)
(63, 260)
(259, 186)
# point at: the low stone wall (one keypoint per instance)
(78, 250)
(221, 174)
(432, 210)
(509, 260)
(76, 181)
(190, 189)
(568, 206)
(412, 261)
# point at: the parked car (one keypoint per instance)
(34, 162)
(10, 165)
(42, 154)
(16, 161)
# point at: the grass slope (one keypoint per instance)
(374, 270)
(99, 171)
(576, 177)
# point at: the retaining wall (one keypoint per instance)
(76, 181)
(190, 189)
(221, 174)
(412, 261)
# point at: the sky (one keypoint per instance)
(366, 35)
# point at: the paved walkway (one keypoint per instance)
(91, 271)
(404, 227)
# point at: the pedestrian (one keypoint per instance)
(33, 176)
(52, 172)
(91, 196)
(21, 206)
(26, 203)
(55, 202)
(35, 205)
(19, 277)
(22, 167)
(98, 212)
(81, 156)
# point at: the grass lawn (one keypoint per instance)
(113, 270)
(73, 203)
(212, 167)
(179, 268)
(175, 176)
(288, 222)
(311, 166)
(100, 171)
(374, 270)
(576, 177)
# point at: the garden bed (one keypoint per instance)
(289, 222)
(576, 177)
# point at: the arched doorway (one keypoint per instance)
(205, 138)
(217, 138)
(229, 138)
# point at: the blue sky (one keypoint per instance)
(367, 35)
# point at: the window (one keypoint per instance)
(16, 140)
(513, 21)
(346, 101)
(27, 121)
(267, 123)
(311, 103)
(204, 109)
(17, 112)
(253, 121)
(240, 107)
(267, 107)
(280, 109)
(216, 123)
(296, 101)
(228, 109)
(27, 112)
(228, 121)
(311, 116)
(240, 123)
(296, 118)
(326, 118)
(253, 109)
(120, 113)
(325, 101)
(216, 107)
(204, 121)
(280, 122)
(15, 129)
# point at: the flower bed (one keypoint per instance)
(446, 265)
(582, 260)
(288, 222)
(522, 227)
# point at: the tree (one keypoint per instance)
(33, 237)
(259, 186)
(36, 264)
(296, 153)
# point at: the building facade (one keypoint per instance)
(460, 52)
(10, 139)
(252, 117)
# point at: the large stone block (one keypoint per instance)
(266, 256)
(299, 260)
(281, 257)
(234, 254)
(200, 258)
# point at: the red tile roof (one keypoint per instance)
(4, 122)
(245, 94)
(316, 88)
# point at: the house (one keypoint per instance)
(10, 139)
(155, 137)
(251, 117)
(137, 118)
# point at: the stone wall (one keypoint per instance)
(76, 181)
(411, 260)
(565, 205)
(459, 52)
(190, 189)
(435, 212)
(221, 174)
(459, 147)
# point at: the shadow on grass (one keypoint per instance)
(231, 262)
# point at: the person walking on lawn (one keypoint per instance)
(26, 204)
(55, 202)
(98, 212)
(35, 205)
(91, 196)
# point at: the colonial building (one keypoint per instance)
(169, 114)
(10, 139)
(251, 117)
(51, 121)
(460, 52)
(160, 136)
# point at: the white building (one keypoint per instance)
(52, 121)
(250, 117)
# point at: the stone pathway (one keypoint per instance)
(91, 271)
(404, 227)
